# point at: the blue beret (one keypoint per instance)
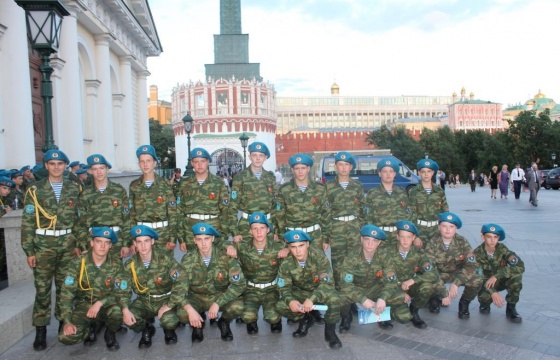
(147, 149)
(346, 157)
(300, 158)
(55, 154)
(82, 171)
(451, 218)
(259, 218)
(84, 166)
(143, 230)
(388, 162)
(97, 159)
(104, 232)
(25, 168)
(74, 163)
(373, 231)
(259, 147)
(3, 173)
(16, 174)
(202, 228)
(407, 226)
(200, 153)
(4, 181)
(494, 229)
(37, 167)
(427, 163)
(293, 236)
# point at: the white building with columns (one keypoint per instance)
(99, 83)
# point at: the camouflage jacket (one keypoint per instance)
(164, 275)
(295, 282)
(416, 266)
(65, 212)
(263, 268)
(221, 281)
(346, 202)
(3, 203)
(107, 208)
(383, 209)
(89, 284)
(459, 259)
(504, 265)
(427, 207)
(14, 199)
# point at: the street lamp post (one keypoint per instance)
(188, 122)
(244, 139)
(44, 22)
(553, 156)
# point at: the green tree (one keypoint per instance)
(471, 148)
(441, 146)
(401, 143)
(532, 136)
(163, 140)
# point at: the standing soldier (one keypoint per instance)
(17, 194)
(88, 293)
(387, 203)
(175, 181)
(456, 264)
(502, 269)
(346, 197)
(152, 202)
(160, 284)
(28, 178)
(216, 283)
(260, 260)
(105, 204)
(6, 186)
(50, 213)
(427, 200)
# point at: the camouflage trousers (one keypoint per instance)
(345, 236)
(421, 293)
(230, 311)
(399, 308)
(427, 233)
(512, 285)
(253, 298)
(111, 315)
(144, 308)
(329, 298)
(472, 287)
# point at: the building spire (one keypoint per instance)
(230, 17)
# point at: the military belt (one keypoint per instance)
(202, 216)
(306, 229)
(244, 215)
(157, 296)
(389, 228)
(114, 228)
(262, 286)
(345, 218)
(154, 225)
(427, 223)
(52, 232)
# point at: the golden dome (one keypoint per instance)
(454, 94)
(335, 89)
(540, 95)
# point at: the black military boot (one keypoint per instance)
(239, 320)
(40, 342)
(484, 308)
(386, 325)
(225, 331)
(170, 336)
(122, 329)
(60, 325)
(345, 322)
(330, 336)
(92, 336)
(276, 328)
(434, 304)
(203, 316)
(111, 340)
(197, 335)
(511, 313)
(98, 326)
(146, 338)
(304, 324)
(416, 320)
(464, 309)
(252, 328)
(317, 316)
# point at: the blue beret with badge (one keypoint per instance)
(203, 228)
(373, 232)
(200, 153)
(387, 161)
(143, 230)
(55, 154)
(346, 157)
(25, 168)
(148, 150)
(300, 158)
(450, 218)
(259, 147)
(407, 226)
(494, 229)
(293, 236)
(4, 181)
(259, 218)
(98, 159)
(104, 232)
(74, 163)
(427, 163)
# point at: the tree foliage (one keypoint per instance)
(401, 143)
(163, 140)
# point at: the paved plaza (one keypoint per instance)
(529, 232)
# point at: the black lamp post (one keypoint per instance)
(188, 122)
(553, 156)
(426, 155)
(244, 138)
(44, 21)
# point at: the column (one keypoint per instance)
(142, 109)
(104, 119)
(91, 136)
(118, 130)
(127, 142)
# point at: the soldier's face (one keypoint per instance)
(259, 231)
(387, 174)
(447, 230)
(257, 158)
(100, 245)
(426, 174)
(147, 163)
(55, 167)
(299, 250)
(27, 173)
(200, 165)
(370, 244)
(204, 243)
(99, 172)
(301, 172)
(490, 240)
(4, 190)
(343, 168)
(144, 244)
(405, 239)
(18, 180)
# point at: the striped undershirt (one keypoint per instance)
(302, 187)
(258, 175)
(344, 184)
(403, 254)
(207, 260)
(146, 263)
(148, 183)
(57, 188)
(301, 263)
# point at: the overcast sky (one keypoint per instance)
(502, 50)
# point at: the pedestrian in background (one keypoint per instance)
(472, 180)
(503, 180)
(493, 180)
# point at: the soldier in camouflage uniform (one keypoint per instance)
(15, 199)
(105, 204)
(6, 186)
(88, 293)
(175, 181)
(252, 190)
(413, 270)
(346, 197)
(202, 197)
(305, 279)
(50, 213)
(456, 264)
(387, 203)
(152, 201)
(362, 280)
(82, 175)
(260, 260)
(216, 283)
(501, 270)
(160, 284)
(28, 178)
(427, 201)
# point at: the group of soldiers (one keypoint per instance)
(111, 252)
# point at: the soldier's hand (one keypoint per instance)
(446, 301)
(77, 252)
(307, 305)
(170, 245)
(231, 251)
(418, 243)
(125, 252)
(162, 310)
(94, 310)
(32, 261)
(497, 299)
(380, 306)
(237, 238)
(453, 291)
(213, 311)
(276, 238)
(491, 282)
(407, 298)
(325, 246)
(195, 320)
(282, 254)
(368, 304)
(407, 284)
(7, 208)
(69, 329)
(296, 306)
(128, 317)
(132, 249)
(183, 247)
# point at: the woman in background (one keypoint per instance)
(493, 180)
(504, 181)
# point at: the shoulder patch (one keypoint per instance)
(278, 206)
(69, 281)
(281, 282)
(174, 274)
(427, 267)
(471, 257)
(349, 278)
(235, 276)
(391, 276)
(30, 209)
(124, 285)
(513, 260)
(234, 195)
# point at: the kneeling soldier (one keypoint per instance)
(88, 295)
